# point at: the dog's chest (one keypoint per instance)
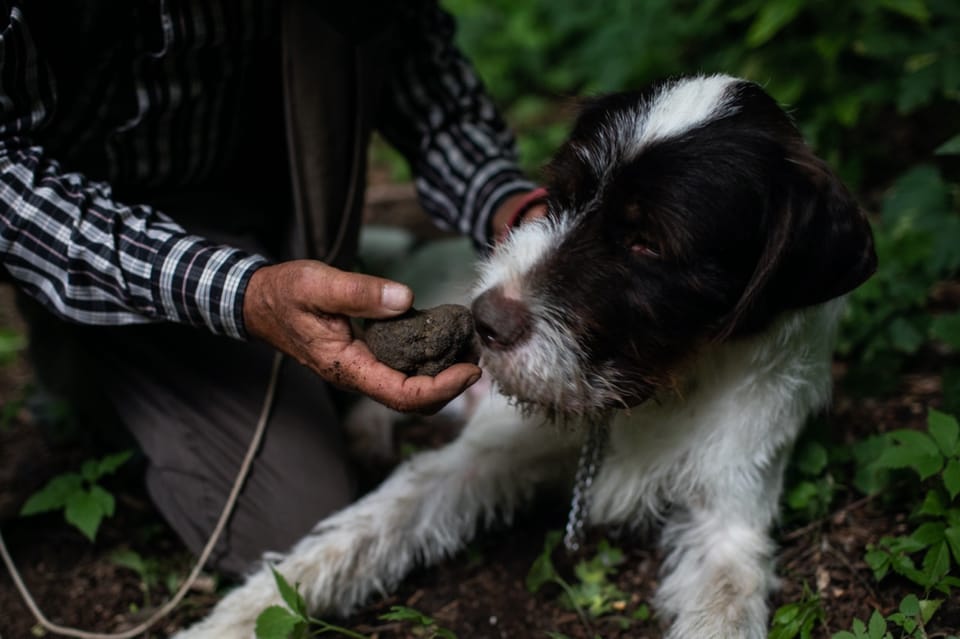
(739, 413)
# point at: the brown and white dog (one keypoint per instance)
(683, 290)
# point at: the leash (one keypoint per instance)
(592, 450)
(174, 601)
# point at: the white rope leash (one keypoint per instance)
(167, 608)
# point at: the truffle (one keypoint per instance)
(423, 342)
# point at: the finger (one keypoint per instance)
(357, 295)
(361, 371)
(426, 395)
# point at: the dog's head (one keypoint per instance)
(679, 216)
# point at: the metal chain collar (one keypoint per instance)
(591, 455)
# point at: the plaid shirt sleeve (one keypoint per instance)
(438, 114)
(86, 257)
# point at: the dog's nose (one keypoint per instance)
(502, 322)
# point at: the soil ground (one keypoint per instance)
(479, 593)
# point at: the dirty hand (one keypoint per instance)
(303, 308)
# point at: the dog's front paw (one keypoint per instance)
(706, 625)
(235, 616)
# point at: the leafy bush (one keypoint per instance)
(593, 594)
(932, 457)
(854, 73)
(917, 235)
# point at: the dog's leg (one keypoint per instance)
(719, 565)
(428, 509)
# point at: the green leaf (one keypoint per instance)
(129, 559)
(84, 511)
(290, 596)
(277, 622)
(950, 147)
(403, 613)
(89, 470)
(109, 464)
(811, 459)
(952, 536)
(929, 533)
(879, 562)
(928, 608)
(918, 196)
(914, 9)
(945, 431)
(104, 499)
(951, 478)
(773, 16)
(910, 605)
(946, 328)
(608, 556)
(542, 571)
(932, 505)
(936, 563)
(877, 626)
(919, 84)
(905, 336)
(914, 450)
(642, 613)
(54, 495)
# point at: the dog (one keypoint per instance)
(671, 319)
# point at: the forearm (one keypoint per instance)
(92, 260)
(440, 117)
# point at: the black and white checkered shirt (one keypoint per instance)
(167, 97)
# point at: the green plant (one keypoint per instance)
(932, 457)
(910, 617)
(427, 624)
(593, 594)
(293, 621)
(797, 619)
(850, 72)
(149, 570)
(811, 485)
(83, 500)
(887, 319)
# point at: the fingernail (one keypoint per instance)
(396, 297)
(473, 380)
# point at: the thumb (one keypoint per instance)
(357, 295)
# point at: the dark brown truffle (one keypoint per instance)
(423, 342)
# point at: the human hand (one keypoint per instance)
(303, 308)
(506, 216)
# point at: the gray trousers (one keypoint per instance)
(191, 400)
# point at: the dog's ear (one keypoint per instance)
(819, 245)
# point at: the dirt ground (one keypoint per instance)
(479, 593)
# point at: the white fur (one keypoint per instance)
(675, 108)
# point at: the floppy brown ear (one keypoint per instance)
(819, 245)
